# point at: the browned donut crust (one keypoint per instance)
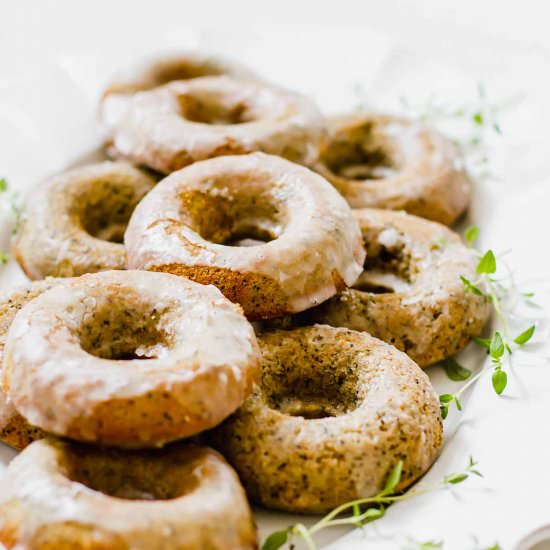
(14, 429)
(74, 223)
(383, 161)
(273, 236)
(410, 293)
(129, 359)
(182, 122)
(67, 496)
(333, 413)
(160, 69)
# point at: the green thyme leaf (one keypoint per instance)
(3, 185)
(455, 371)
(373, 514)
(525, 336)
(478, 118)
(496, 348)
(471, 235)
(446, 398)
(444, 411)
(276, 540)
(499, 380)
(470, 286)
(454, 479)
(393, 479)
(4, 257)
(483, 342)
(487, 263)
(430, 545)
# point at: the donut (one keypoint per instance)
(333, 412)
(182, 122)
(271, 235)
(74, 223)
(410, 293)
(70, 496)
(389, 162)
(159, 69)
(129, 358)
(15, 431)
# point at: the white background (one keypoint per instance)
(55, 57)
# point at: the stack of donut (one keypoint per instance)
(230, 201)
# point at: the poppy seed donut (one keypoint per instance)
(160, 69)
(182, 122)
(74, 223)
(15, 431)
(410, 293)
(129, 358)
(271, 235)
(332, 414)
(382, 161)
(67, 496)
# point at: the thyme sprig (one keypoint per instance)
(15, 211)
(471, 126)
(504, 296)
(362, 511)
(13, 201)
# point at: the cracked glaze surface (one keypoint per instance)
(182, 122)
(314, 244)
(129, 358)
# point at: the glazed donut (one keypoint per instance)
(67, 496)
(185, 121)
(382, 161)
(200, 222)
(160, 69)
(333, 413)
(129, 358)
(410, 293)
(14, 429)
(74, 223)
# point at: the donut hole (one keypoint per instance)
(312, 381)
(183, 70)
(214, 108)
(130, 475)
(388, 267)
(107, 207)
(249, 219)
(360, 153)
(119, 328)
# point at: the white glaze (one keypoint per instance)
(149, 73)
(53, 382)
(317, 233)
(155, 132)
(214, 513)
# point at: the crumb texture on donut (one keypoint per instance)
(129, 358)
(410, 293)
(74, 223)
(67, 496)
(182, 122)
(332, 414)
(383, 161)
(272, 235)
